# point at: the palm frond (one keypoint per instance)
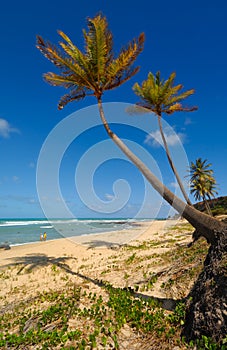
(121, 79)
(73, 95)
(52, 53)
(99, 46)
(163, 96)
(177, 107)
(120, 67)
(137, 110)
(178, 98)
(59, 80)
(66, 64)
(72, 50)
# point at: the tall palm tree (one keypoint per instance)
(202, 182)
(93, 72)
(160, 97)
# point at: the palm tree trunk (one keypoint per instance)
(206, 312)
(203, 223)
(171, 162)
(207, 206)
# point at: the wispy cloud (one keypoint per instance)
(188, 121)
(6, 129)
(15, 179)
(174, 184)
(172, 138)
(109, 197)
(31, 165)
(17, 198)
(32, 201)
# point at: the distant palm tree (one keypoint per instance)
(202, 182)
(161, 96)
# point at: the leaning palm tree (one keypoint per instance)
(202, 182)
(91, 73)
(162, 96)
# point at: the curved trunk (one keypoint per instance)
(171, 162)
(203, 223)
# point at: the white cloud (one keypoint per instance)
(109, 197)
(31, 201)
(174, 184)
(6, 129)
(172, 138)
(184, 182)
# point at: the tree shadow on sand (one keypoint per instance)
(31, 262)
(34, 261)
(102, 244)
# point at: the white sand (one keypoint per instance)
(32, 268)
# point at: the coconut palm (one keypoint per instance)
(160, 97)
(202, 182)
(95, 71)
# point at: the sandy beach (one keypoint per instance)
(30, 264)
(124, 259)
(80, 246)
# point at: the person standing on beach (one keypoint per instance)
(44, 236)
(41, 236)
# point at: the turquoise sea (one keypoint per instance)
(22, 231)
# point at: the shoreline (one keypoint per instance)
(30, 231)
(81, 246)
(80, 238)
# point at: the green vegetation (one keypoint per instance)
(202, 182)
(77, 317)
(48, 324)
(218, 205)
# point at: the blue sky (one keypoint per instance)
(186, 37)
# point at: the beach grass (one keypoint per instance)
(129, 298)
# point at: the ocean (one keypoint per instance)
(22, 231)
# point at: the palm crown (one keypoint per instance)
(161, 96)
(200, 169)
(202, 182)
(95, 70)
(201, 190)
